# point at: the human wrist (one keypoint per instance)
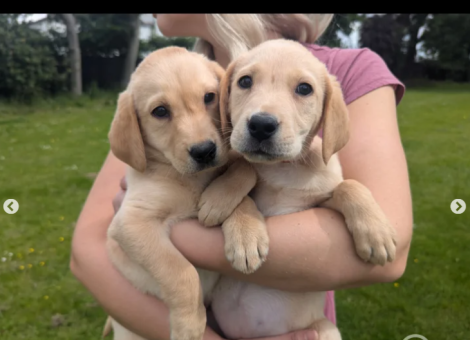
(203, 247)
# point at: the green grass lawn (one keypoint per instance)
(50, 152)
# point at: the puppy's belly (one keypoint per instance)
(245, 310)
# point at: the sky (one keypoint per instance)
(351, 41)
(36, 17)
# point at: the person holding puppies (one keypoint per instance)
(309, 250)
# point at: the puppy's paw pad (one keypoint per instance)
(248, 248)
(376, 245)
(208, 216)
(214, 210)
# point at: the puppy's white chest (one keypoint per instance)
(273, 201)
(287, 188)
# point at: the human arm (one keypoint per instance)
(313, 250)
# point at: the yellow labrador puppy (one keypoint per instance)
(274, 100)
(167, 129)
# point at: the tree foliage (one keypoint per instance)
(157, 42)
(384, 35)
(29, 64)
(446, 38)
(32, 63)
(412, 23)
(103, 35)
(341, 23)
(395, 37)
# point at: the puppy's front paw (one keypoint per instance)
(375, 240)
(215, 207)
(246, 244)
(190, 326)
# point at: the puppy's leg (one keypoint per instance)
(226, 192)
(246, 237)
(374, 236)
(107, 327)
(147, 243)
(121, 333)
(326, 330)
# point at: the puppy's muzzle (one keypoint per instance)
(203, 153)
(262, 126)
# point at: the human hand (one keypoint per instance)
(117, 201)
(309, 334)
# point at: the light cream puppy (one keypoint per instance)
(274, 100)
(167, 129)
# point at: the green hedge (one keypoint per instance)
(157, 42)
(29, 64)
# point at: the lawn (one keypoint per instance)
(50, 153)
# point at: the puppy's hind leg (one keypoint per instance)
(326, 330)
(121, 333)
(177, 282)
(374, 236)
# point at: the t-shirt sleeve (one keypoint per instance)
(361, 71)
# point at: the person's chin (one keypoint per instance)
(167, 25)
(177, 25)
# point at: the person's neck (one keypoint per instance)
(222, 56)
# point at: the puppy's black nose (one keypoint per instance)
(203, 152)
(262, 126)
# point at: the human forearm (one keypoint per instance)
(143, 314)
(311, 250)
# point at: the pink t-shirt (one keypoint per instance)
(359, 71)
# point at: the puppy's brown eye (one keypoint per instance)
(161, 112)
(209, 97)
(245, 82)
(304, 89)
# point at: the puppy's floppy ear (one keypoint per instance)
(219, 72)
(125, 137)
(335, 119)
(224, 100)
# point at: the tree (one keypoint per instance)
(105, 35)
(74, 53)
(383, 34)
(132, 50)
(446, 38)
(395, 37)
(411, 25)
(106, 39)
(157, 42)
(29, 64)
(341, 23)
